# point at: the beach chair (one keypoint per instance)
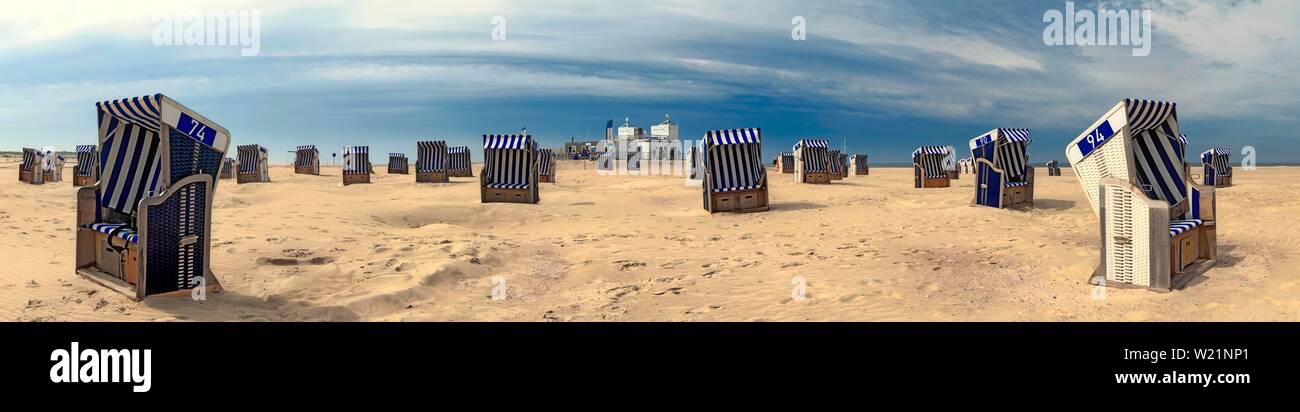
(32, 168)
(785, 162)
(356, 165)
(52, 167)
(1053, 168)
(228, 168)
(927, 166)
(734, 178)
(812, 161)
(306, 160)
(509, 169)
(1217, 167)
(254, 164)
(431, 162)
(145, 227)
(87, 170)
(858, 164)
(950, 164)
(837, 168)
(546, 166)
(1003, 175)
(1157, 225)
(458, 162)
(398, 164)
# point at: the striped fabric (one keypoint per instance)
(508, 160)
(1218, 157)
(836, 164)
(397, 162)
(32, 159)
(931, 159)
(356, 160)
(127, 234)
(250, 158)
(431, 156)
(545, 161)
(1148, 114)
(458, 158)
(815, 153)
(228, 167)
(1183, 225)
(130, 156)
(1160, 167)
(143, 111)
(306, 156)
(734, 159)
(1012, 153)
(87, 160)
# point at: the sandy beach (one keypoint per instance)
(633, 248)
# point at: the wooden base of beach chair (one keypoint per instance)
(83, 181)
(739, 202)
(352, 179)
(460, 173)
(431, 177)
(508, 196)
(815, 178)
(837, 176)
(306, 170)
(49, 177)
(26, 177)
(1191, 254)
(242, 178)
(954, 175)
(935, 182)
(398, 172)
(1017, 196)
(861, 173)
(544, 179)
(1223, 181)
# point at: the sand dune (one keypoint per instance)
(640, 248)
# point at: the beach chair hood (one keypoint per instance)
(733, 158)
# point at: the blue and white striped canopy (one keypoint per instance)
(508, 141)
(1218, 151)
(1014, 135)
(814, 143)
(306, 147)
(356, 159)
(86, 160)
(392, 155)
(930, 150)
(86, 148)
(458, 149)
(1147, 114)
(143, 111)
(734, 136)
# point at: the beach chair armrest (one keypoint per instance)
(1204, 208)
(1136, 192)
(87, 205)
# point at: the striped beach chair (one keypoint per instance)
(254, 164)
(356, 165)
(306, 160)
(32, 168)
(87, 170)
(928, 168)
(858, 164)
(228, 168)
(1217, 167)
(458, 162)
(1003, 175)
(546, 163)
(1053, 168)
(950, 164)
(785, 162)
(735, 179)
(509, 169)
(431, 162)
(144, 228)
(812, 161)
(1157, 225)
(52, 167)
(398, 164)
(837, 167)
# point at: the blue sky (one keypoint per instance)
(885, 76)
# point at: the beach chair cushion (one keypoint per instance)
(127, 234)
(1183, 225)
